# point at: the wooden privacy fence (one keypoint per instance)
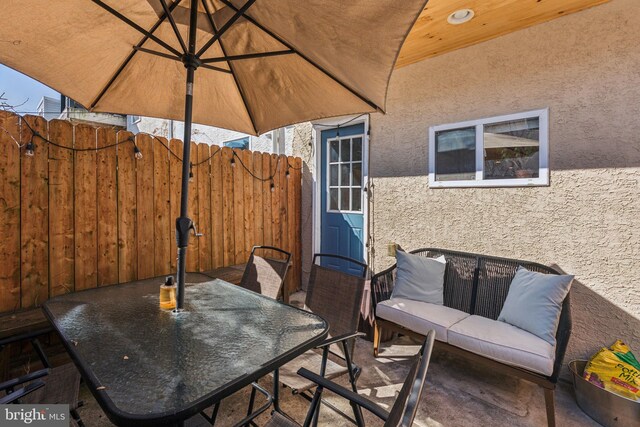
(73, 220)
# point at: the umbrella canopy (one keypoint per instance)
(261, 64)
(320, 58)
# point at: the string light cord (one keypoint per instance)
(208, 158)
(35, 133)
(263, 179)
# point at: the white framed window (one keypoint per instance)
(344, 174)
(502, 151)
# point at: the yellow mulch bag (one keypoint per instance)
(616, 370)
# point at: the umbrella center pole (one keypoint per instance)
(184, 224)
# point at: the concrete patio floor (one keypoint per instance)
(457, 394)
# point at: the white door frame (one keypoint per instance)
(318, 127)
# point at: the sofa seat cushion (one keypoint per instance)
(419, 316)
(504, 343)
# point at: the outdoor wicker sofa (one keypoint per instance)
(475, 289)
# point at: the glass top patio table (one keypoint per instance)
(148, 366)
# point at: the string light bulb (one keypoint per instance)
(191, 179)
(273, 187)
(136, 152)
(29, 149)
(233, 162)
(287, 174)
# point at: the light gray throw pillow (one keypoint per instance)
(419, 278)
(534, 302)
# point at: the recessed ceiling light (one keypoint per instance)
(460, 16)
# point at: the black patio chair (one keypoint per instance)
(14, 396)
(337, 297)
(403, 411)
(266, 275)
(18, 388)
(51, 385)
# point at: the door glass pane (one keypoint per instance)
(357, 149)
(334, 150)
(345, 153)
(333, 197)
(356, 199)
(333, 172)
(456, 154)
(511, 149)
(344, 199)
(344, 176)
(356, 171)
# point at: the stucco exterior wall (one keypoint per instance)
(585, 68)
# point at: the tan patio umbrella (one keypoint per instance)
(262, 64)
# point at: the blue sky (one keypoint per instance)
(19, 88)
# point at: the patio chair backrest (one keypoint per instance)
(406, 405)
(336, 296)
(266, 275)
(62, 386)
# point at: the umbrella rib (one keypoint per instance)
(303, 56)
(173, 25)
(247, 56)
(239, 12)
(211, 67)
(135, 26)
(154, 52)
(131, 55)
(175, 58)
(230, 65)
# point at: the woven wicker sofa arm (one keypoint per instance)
(382, 285)
(563, 335)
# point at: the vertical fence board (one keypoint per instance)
(276, 223)
(217, 228)
(284, 218)
(258, 214)
(127, 250)
(267, 234)
(107, 208)
(61, 221)
(227, 196)
(174, 193)
(238, 208)
(249, 242)
(144, 207)
(162, 208)
(10, 211)
(284, 188)
(204, 206)
(296, 179)
(85, 213)
(291, 221)
(193, 260)
(34, 216)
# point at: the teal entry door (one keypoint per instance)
(342, 198)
